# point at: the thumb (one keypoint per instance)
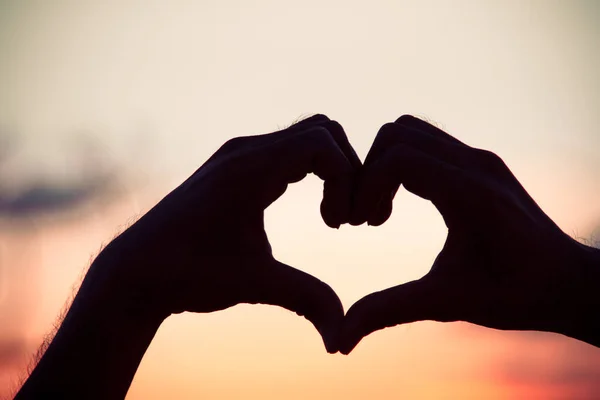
(302, 293)
(413, 301)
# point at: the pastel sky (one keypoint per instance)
(105, 106)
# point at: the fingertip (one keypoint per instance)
(306, 295)
(331, 345)
(347, 348)
(360, 210)
(352, 329)
(330, 215)
(336, 205)
(331, 224)
(349, 339)
(374, 193)
(382, 212)
(356, 221)
(328, 318)
(330, 332)
(380, 218)
(377, 218)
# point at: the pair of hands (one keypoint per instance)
(504, 265)
(203, 248)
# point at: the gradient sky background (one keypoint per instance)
(105, 106)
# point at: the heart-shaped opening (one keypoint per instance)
(354, 261)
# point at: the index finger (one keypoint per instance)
(410, 302)
(313, 150)
(421, 174)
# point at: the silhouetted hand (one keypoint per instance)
(504, 265)
(204, 248)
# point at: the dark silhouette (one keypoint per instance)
(203, 248)
(505, 264)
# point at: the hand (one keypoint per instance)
(204, 248)
(504, 265)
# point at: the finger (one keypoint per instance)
(310, 151)
(413, 301)
(246, 143)
(333, 211)
(448, 151)
(375, 206)
(416, 123)
(336, 204)
(339, 135)
(334, 128)
(257, 141)
(434, 146)
(337, 193)
(385, 138)
(302, 293)
(373, 197)
(383, 210)
(423, 175)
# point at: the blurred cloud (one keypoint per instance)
(47, 197)
(31, 186)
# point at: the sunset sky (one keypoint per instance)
(105, 106)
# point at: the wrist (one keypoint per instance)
(121, 278)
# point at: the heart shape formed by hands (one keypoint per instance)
(204, 246)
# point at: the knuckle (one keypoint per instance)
(320, 136)
(320, 117)
(406, 119)
(233, 144)
(387, 132)
(336, 129)
(489, 161)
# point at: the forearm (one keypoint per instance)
(99, 345)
